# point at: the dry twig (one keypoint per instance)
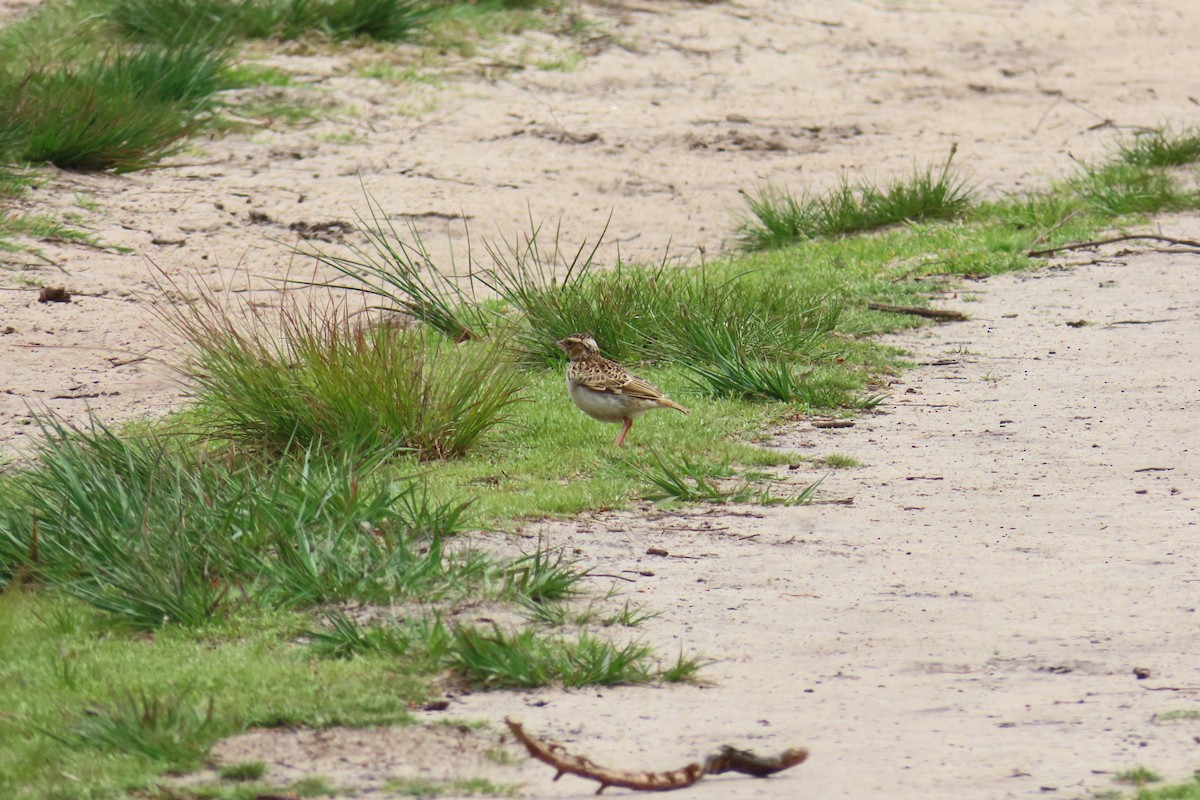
(920, 311)
(1129, 238)
(727, 759)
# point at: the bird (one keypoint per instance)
(605, 390)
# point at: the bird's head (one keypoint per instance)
(579, 345)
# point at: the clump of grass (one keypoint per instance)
(120, 112)
(313, 786)
(495, 658)
(734, 372)
(1121, 188)
(716, 317)
(170, 21)
(545, 576)
(109, 519)
(304, 373)
(683, 481)
(1137, 776)
(459, 787)
(560, 614)
(170, 727)
(556, 291)
(685, 669)
(41, 228)
(243, 771)
(779, 218)
(559, 293)
(156, 534)
(1161, 147)
(346, 638)
(629, 616)
(528, 659)
(680, 480)
(1039, 213)
(1171, 716)
(398, 269)
(12, 181)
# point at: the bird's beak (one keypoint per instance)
(561, 343)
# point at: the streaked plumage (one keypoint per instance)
(605, 390)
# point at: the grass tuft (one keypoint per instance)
(243, 771)
(778, 218)
(304, 373)
(399, 270)
(528, 659)
(155, 534)
(121, 112)
(545, 576)
(1120, 188)
(686, 482)
(170, 727)
(345, 638)
(1161, 147)
(1137, 776)
(172, 21)
(685, 669)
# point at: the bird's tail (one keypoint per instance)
(672, 404)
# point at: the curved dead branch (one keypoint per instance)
(944, 314)
(727, 759)
(1129, 238)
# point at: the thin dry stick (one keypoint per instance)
(920, 311)
(1130, 238)
(727, 759)
(1044, 235)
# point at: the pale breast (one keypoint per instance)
(607, 406)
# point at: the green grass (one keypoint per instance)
(243, 771)
(474, 787)
(779, 218)
(497, 658)
(170, 21)
(344, 638)
(1185, 714)
(305, 372)
(40, 228)
(313, 786)
(170, 596)
(528, 659)
(94, 711)
(1183, 791)
(1121, 188)
(155, 533)
(121, 111)
(1161, 147)
(1137, 776)
(175, 582)
(681, 480)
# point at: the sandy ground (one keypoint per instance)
(1023, 535)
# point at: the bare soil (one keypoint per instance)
(1022, 536)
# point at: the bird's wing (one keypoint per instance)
(617, 381)
(636, 387)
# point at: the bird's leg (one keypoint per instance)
(624, 431)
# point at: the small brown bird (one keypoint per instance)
(605, 390)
